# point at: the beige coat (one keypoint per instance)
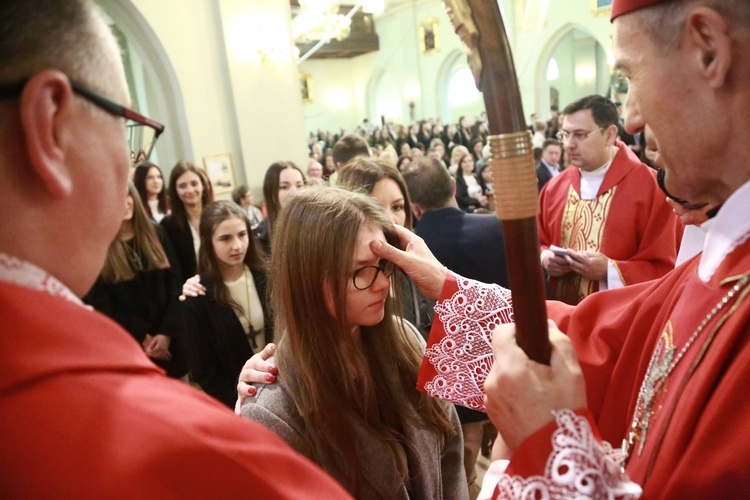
(436, 467)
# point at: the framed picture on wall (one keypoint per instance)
(601, 7)
(305, 87)
(429, 35)
(220, 172)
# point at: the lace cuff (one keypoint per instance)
(579, 465)
(459, 355)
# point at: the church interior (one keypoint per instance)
(241, 84)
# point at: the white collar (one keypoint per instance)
(728, 230)
(18, 272)
(556, 168)
(601, 171)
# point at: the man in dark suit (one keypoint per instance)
(468, 244)
(549, 166)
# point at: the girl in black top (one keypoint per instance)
(188, 193)
(138, 287)
(230, 321)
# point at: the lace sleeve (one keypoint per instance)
(460, 348)
(579, 466)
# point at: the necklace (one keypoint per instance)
(663, 361)
(247, 298)
(133, 255)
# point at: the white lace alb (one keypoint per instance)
(580, 467)
(463, 358)
(19, 272)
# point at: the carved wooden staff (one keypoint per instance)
(479, 24)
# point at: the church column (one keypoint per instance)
(265, 85)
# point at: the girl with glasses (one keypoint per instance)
(385, 184)
(347, 361)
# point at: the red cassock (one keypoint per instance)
(628, 222)
(85, 414)
(697, 439)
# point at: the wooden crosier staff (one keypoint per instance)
(480, 26)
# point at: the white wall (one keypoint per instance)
(228, 104)
(255, 112)
(399, 60)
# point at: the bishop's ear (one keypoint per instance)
(708, 34)
(46, 108)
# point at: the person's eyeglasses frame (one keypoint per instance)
(8, 90)
(386, 267)
(563, 136)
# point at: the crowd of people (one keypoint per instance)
(378, 271)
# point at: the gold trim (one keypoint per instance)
(694, 366)
(513, 176)
(431, 24)
(619, 273)
(596, 10)
(459, 13)
(583, 226)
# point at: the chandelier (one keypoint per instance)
(320, 20)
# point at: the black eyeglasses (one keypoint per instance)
(142, 131)
(364, 277)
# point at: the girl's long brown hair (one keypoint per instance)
(271, 189)
(340, 386)
(139, 179)
(117, 266)
(362, 173)
(178, 209)
(214, 214)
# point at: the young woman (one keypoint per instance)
(138, 287)
(226, 325)
(345, 397)
(470, 187)
(282, 181)
(150, 185)
(188, 194)
(386, 185)
(458, 152)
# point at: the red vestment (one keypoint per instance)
(85, 414)
(698, 442)
(629, 222)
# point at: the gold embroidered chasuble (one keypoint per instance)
(582, 230)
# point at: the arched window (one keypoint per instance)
(462, 91)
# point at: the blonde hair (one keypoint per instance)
(341, 387)
(118, 266)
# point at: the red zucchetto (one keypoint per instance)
(620, 7)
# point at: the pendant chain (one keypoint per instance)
(658, 372)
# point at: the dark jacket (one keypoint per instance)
(218, 344)
(543, 175)
(470, 245)
(263, 234)
(182, 242)
(465, 202)
(415, 307)
(146, 304)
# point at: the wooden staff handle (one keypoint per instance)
(480, 26)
